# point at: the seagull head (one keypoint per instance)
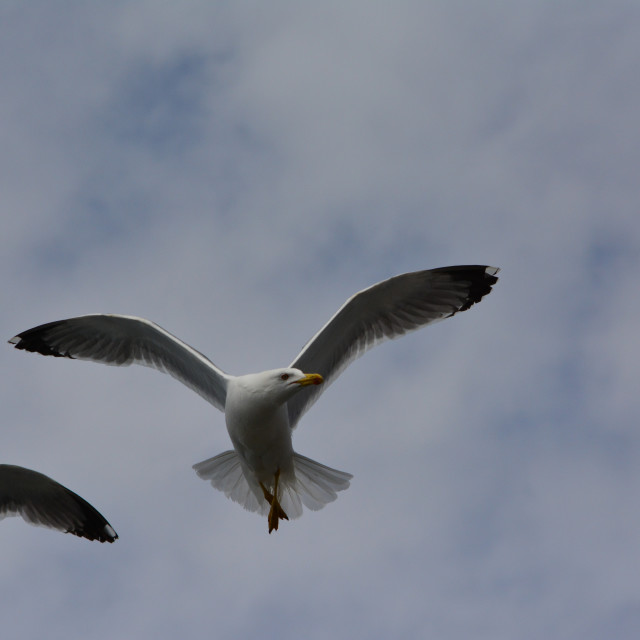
(295, 377)
(278, 385)
(287, 382)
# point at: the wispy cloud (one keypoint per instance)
(235, 174)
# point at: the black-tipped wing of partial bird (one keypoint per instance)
(43, 501)
(383, 311)
(125, 340)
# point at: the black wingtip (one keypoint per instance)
(481, 284)
(34, 340)
(92, 525)
(104, 534)
(481, 279)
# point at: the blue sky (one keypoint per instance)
(234, 172)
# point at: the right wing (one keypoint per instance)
(125, 340)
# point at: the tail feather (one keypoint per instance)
(312, 483)
(225, 473)
(318, 484)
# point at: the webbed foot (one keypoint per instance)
(276, 512)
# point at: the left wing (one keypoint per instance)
(386, 310)
(43, 501)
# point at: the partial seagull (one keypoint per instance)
(43, 501)
(263, 473)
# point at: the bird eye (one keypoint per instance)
(284, 376)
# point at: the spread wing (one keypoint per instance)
(125, 340)
(386, 310)
(43, 501)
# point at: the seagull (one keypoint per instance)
(262, 472)
(43, 501)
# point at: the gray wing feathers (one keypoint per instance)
(43, 501)
(124, 340)
(384, 311)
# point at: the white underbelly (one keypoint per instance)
(263, 441)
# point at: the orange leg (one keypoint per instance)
(276, 512)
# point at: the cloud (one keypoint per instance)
(235, 175)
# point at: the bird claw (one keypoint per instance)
(276, 512)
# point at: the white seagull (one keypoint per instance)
(43, 501)
(263, 473)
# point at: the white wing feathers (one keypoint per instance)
(383, 311)
(124, 340)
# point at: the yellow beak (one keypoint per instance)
(310, 378)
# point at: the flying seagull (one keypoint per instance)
(43, 501)
(263, 473)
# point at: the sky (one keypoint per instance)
(234, 172)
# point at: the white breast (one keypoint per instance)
(259, 430)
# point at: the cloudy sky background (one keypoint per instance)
(234, 171)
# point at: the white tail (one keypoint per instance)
(312, 484)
